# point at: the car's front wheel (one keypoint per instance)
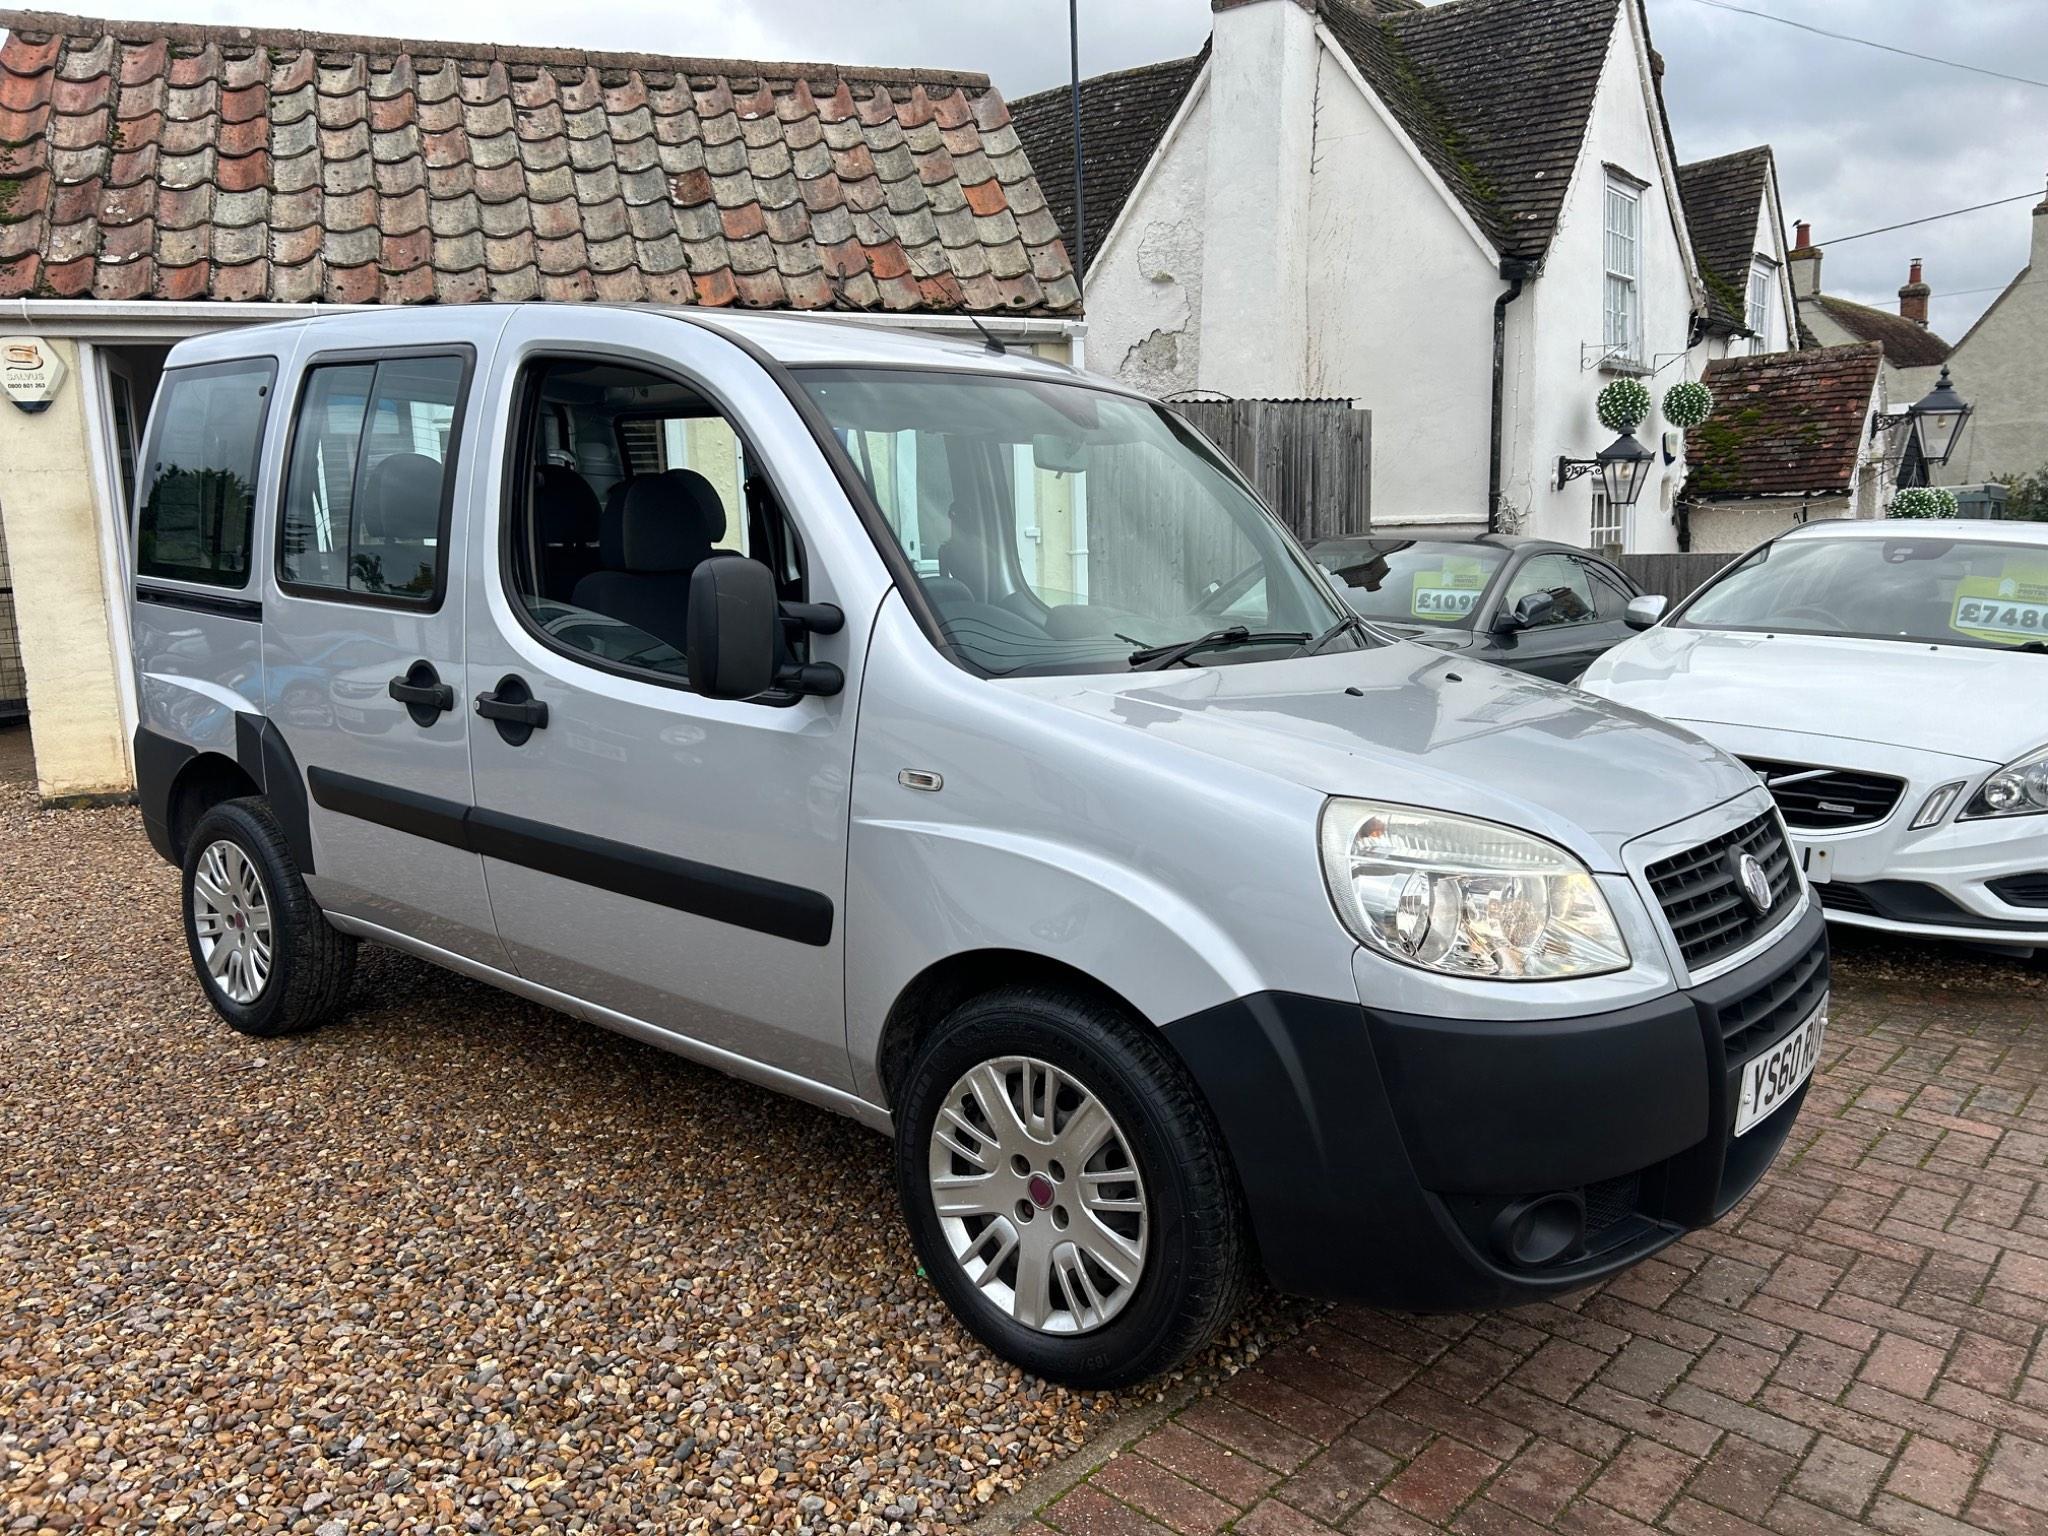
(270, 962)
(1068, 1190)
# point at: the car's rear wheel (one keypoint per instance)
(265, 954)
(1068, 1190)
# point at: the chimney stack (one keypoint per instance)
(2041, 235)
(1805, 259)
(1914, 296)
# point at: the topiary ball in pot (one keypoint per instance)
(1688, 403)
(1923, 501)
(1622, 405)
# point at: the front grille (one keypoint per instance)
(1761, 1015)
(2022, 890)
(1709, 915)
(1827, 799)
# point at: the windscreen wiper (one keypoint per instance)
(1153, 657)
(1349, 621)
(2032, 645)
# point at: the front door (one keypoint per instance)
(670, 860)
(1566, 640)
(363, 637)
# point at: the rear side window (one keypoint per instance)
(198, 509)
(367, 491)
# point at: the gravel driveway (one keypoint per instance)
(453, 1263)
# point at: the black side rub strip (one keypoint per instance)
(703, 890)
(201, 602)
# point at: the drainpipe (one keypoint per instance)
(1517, 272)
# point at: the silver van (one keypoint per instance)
(952, 740)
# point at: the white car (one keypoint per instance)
(1889, 682)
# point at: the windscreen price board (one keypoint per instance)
(1448, 594)
(2006, 609)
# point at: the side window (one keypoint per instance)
(1611, 591)
(198, 513)
(1564, 578)
(370, 474)
(629, 480)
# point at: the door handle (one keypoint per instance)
(512, 707)
(425, 697)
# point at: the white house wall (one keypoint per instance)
(1559, 325)
(1144, 297)
(1998, 368)
(1400, 305)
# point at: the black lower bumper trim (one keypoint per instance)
(1380, 1153)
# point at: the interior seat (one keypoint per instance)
(397, 525)
(667, 527)
(568, 517)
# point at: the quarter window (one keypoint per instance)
(372, 451)
(1623, 331)
(198, 513)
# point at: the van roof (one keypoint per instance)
(788, 338)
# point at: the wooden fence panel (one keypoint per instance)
(1310, 459)
(1672, 576)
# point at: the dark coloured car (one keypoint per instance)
(1531, 604)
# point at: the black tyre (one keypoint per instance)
(1068, 1190)
(265, 953)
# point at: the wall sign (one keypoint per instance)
(30, 372)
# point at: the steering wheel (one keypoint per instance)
(1814, 610)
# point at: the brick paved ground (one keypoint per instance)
(1858, 1346)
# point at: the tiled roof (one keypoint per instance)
(1123, 118)
(1723, 198)
(1907, 343)
(167, 161)
(1496, 93)
(1784, 424)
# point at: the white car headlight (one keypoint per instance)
(1465, 897)
(2020, 788)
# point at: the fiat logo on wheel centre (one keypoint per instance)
(1755, 884)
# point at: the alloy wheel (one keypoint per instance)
(1038, 1195)
(231, 918)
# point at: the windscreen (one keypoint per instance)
(1059, 528)
(1926, 588)
(1415, 583)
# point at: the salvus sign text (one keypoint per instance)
(30, 372)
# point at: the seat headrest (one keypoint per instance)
(671, 522)
(401, 500)
(564, 506)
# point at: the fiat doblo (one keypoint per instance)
(953, 740)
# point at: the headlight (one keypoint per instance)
(2020, 788)
(1465, 897)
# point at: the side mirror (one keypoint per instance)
(730, 632)
(1643, 612)
(1527, 614)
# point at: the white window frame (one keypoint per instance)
(1763, 278)
(1608, 528)
(1622, 259)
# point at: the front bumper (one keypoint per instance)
(1948, 881)
(1378, 1151)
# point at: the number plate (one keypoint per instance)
(1772, 1078)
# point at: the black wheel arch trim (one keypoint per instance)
(260, 752)
(773, 907)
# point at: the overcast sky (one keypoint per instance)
(1863, 138)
